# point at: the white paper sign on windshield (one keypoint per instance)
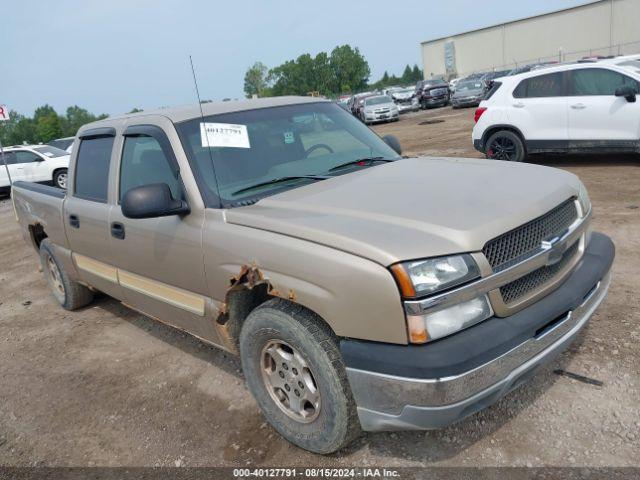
(224, 135)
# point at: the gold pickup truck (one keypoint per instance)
(362, 290)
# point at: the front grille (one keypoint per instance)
(521, 242)
(533, 280)
(438, 91)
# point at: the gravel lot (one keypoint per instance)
(107, 386)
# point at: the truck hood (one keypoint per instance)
(413, 208)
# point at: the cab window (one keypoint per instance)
(549, 85)
(9, 157)
(145, 163)
(23, 156)
(92, 168)
(598, 81)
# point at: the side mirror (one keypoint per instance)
(151, 201)
(628, 92)
(393, 142)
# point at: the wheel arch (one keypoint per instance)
(503, 126)
(247, 291)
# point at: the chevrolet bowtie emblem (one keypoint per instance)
(556, 250)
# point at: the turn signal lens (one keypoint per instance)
(417, 329)
(404, 281)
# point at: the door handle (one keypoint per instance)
(518, 105)
(578, 106)
(117, 230)
(74, 221)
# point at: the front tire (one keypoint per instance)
(69, 294)
(60, 179)
(294, 370)
(505, 145)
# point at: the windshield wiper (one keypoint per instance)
(361, 161)
(279, 180)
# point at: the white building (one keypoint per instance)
(603, 27)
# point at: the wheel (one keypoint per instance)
(294, 370)
(71, 295)
(60, 178)
(505, 145)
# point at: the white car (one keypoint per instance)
(34, 163)
(582, 107)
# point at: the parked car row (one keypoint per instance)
(34, 163)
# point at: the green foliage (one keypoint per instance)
(344, 70)
(409, 77)
(255, 80)
(46, 125)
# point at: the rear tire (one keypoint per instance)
(71, 295)
(60, 178)
(505, 145)
(293, 368)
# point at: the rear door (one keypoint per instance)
(24, 166)
(34, 166)
(159, 260)
(10, 159)
(595, 113)
(539, 109)
(86, 210)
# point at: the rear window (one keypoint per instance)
(92, 169)
(493, 88)
(549, 85)
(51, 152)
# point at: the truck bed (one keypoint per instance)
(42, 206)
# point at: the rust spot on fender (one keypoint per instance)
(237, 305)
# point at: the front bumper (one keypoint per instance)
(435, 101)
(381, 117)
(453, 378)
(465, 102)
(408, 107)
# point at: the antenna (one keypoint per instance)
(203, 128)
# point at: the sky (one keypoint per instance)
(110, 56)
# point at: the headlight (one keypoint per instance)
(424, 328)
(583, 198)
(423, 277)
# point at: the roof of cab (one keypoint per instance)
(188, 112)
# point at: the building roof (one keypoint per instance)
(584, 4)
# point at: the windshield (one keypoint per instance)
(255, 146)
(377, 100)
(405, 90)
(51, 152)
(473, 85)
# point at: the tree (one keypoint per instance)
(350, 69)
(417, 74)
(255, 80)
(135, 110)
(45, 125)
(407, 76)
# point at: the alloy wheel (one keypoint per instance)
(290, 382)
(61, 180)
(502, 148)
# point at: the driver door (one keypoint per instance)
(159, 260)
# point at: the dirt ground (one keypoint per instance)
(107, 386)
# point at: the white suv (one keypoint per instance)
(582, 107)
(34, 163)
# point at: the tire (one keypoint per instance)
(288, 329)
(505, 145)
(71, 295)
(60, 178)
